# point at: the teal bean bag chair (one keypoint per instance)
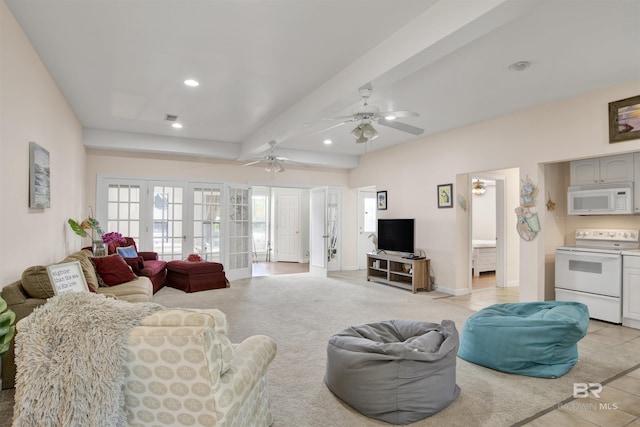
(537, 339)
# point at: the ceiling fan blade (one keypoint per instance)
(401, 126)
(328, 128)
(399, 114)
(252, 163)
(333, 118)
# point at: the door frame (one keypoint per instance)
(360, 215)
(501, 228)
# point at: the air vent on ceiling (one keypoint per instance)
(171, 117)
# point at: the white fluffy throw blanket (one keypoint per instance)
(69, 355)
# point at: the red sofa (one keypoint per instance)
(145, 264)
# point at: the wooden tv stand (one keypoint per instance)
(409, 274)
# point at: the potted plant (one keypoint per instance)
(7, 327)
(90, 223)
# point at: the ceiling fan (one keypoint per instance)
(365, 114)
(272, 162)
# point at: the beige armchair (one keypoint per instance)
(181, 369)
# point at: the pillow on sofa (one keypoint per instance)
(112, 270)
(127, 252)
(36, 283)
(84, 257)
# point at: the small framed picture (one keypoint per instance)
(67, 277)
(39, 183)
(624, 119)
(382, 200)
(445, 200)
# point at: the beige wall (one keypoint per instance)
(569, 129)
(33, 109)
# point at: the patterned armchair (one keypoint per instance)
(181, 369)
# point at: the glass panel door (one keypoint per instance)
(207, 205)
(168, 233)
(238, 263)
(123, 210)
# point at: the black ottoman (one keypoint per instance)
(398, 371)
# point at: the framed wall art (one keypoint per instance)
(624, 119)
(445, 200)
(39, 178)
(67, 277)
(382, 200)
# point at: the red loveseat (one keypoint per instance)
(145, 264)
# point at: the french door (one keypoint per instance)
(176, 219)
(325, 233)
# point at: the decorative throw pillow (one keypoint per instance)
(127, 252)
(112, 270)
(89, 271)
(36, 282)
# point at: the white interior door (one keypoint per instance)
(288, 227)
(366, 225)
(206, 218)
(168, 207)
(239, 236)
(318, 237)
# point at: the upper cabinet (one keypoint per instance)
(602, 170)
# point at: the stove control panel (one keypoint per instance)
(608, 235)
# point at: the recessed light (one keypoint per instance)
(327, 142)
(519, 66)
(176, 125)
(192, 83)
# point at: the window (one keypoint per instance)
(259, 220)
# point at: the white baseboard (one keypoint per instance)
(351, 268)
(513, 284)
(455, 292)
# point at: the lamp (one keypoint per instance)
(478, 188)
(274, 167)
(364, 132)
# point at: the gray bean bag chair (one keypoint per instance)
(398, 371)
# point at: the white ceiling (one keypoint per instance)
(274, 69)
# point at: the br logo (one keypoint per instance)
(581, 390)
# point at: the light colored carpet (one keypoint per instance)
(301, 313)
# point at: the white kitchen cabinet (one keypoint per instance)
(636, 182)
(600, 170)
(631, 291)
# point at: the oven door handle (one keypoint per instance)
(588, 254)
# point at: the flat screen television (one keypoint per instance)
(396, 235)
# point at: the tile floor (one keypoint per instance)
(619, 402)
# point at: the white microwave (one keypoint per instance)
(601, 199)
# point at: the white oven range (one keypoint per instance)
(591, 271)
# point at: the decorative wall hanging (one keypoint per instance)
(462, 202)
(528, 225)
(445, 199)
(39, 181)
(382, 200)
(624, 119)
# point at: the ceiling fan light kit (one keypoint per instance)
(478, 188)
(365, 114)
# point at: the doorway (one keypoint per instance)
(483, 233)
(367, 224)
(493, 240)
(280, 230)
